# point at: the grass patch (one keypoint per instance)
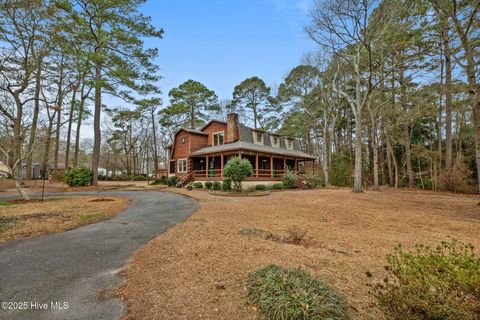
(94, 217)
(7, 223)
(290, 294)
(5, 203)
(251, 232)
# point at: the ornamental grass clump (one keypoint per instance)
(431, 284)
(291, 294)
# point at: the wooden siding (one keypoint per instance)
(215, 127)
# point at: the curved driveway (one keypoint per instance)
(79, 266)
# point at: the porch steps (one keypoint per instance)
(303, 182)
(185, 179)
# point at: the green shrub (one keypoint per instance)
(341, 171)
(217, 185)
(290, 294)
(441, 283)
(237, 170)
(140, 178)
(78, 176)
(248, 189)
(124, 177)
(277, 186)
(208, 185)
(198, 185)
(190, 186)
(289, 180)
(227, 184)
(316, 180)
(172, 181)
(260, 187)
(155, 182)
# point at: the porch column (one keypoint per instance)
(206, 167)
(296, 165)
(271, 166)
(221, 165)
(256, 165)
(284, 163)
(240, 154)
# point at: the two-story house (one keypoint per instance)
(201, 154)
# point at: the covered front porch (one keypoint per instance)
(266, 167)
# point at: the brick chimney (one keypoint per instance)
(232, 128)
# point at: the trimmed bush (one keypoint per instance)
(216, 185)
(140, 178)
(208, 185)
(78, 176)
(291, 294)
(227, 184)
(172, 181)
(260, 187)
(198, 185)
(289, 180)
(277, 186)
(428, 284)
(237, 169)
(190, 186)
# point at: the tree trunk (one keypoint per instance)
(79, 125)
(448, 102)
(473, 89)
(46, 151)
(357, 179)
(406, 133)
(155, 148)
(70, 123)
(33, 130)
(59, 122)
(96, 122)
(376, 186)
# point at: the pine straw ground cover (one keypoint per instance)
(198, 269)
(20, 220)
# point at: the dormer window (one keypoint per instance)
(274, 141)
(218, 138)
(289, 144)
(257, 137)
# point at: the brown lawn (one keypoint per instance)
(196, 270)
(19, 220)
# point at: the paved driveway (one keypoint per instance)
(76, 266)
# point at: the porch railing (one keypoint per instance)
(216, 173)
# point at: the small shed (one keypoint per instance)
(161, 171)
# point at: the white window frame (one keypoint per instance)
(213, 138)
(179, 167)
(289, 144)
(272, 141)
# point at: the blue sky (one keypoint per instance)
(222, 42)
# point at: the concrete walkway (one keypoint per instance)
(77, 267)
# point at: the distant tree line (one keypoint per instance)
(390, 97)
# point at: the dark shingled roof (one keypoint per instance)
(242, 145)
(193, 131)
